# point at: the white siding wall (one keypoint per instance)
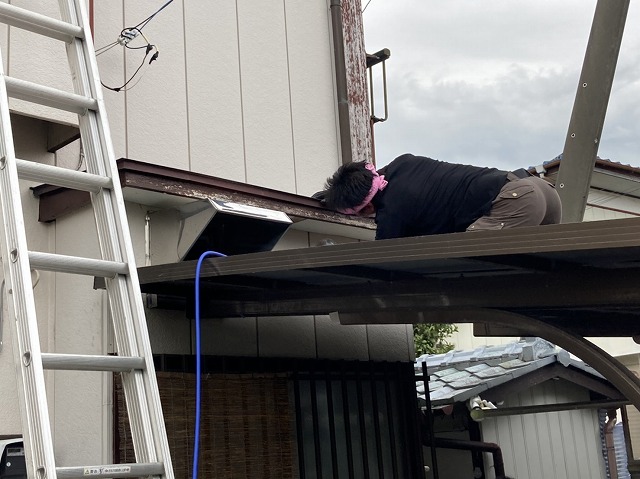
(242, 90)
(70, 317)
(559, 445)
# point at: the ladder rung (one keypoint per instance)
(107, 471)
(47, 96)
(77, 180)
(37, 23)
(87, 362)
(76, 265)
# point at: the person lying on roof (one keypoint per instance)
(416, 196)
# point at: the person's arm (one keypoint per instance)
(389, 226)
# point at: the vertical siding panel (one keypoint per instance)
(544, 433)
(593, 462)
(77, 398)
(4, 45)
(335, 342)
(560, 445)
(229, 337)
(581, 441)
(505, 441)
(39, 59)
(531, 436)
(108, 22)
(387, 343)
(313, 103)
(287, 337)
(557, 445)
(265, 94)
(566, 432)
(291, 336)
(213, 85)
(156, 106)
(518, 440)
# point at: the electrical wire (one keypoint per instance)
(144, 22)
(106, 48)
(149, 48)
(126, 35)
(196, 437)
(365, 7)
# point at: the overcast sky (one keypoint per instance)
(492, 82)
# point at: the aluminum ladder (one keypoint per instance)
(116, 264)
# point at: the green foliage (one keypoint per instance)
(432, 338)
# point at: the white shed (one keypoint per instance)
(538, 406)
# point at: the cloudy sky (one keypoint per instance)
(492, 82)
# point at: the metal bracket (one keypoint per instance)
(373, 59)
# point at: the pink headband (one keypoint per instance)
(378, 184)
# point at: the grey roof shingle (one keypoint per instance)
(460, 375)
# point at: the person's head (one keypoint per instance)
(352, 187)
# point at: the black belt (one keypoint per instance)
(522, 173)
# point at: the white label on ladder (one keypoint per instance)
(96, 471)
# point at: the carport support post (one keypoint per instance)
(590, 108)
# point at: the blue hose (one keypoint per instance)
(196, 440)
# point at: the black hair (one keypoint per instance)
(348, 187)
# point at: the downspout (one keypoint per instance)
(341, 81)
(461, 444)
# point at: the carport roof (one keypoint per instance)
(582, 277)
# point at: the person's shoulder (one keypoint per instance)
(411, 158)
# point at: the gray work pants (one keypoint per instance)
(527, 201)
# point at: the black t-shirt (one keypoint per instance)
(426, 196)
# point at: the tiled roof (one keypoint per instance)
(460, 375)
(613, 164)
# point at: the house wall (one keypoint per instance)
(242, 90)
(559, 445)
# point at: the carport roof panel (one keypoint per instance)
(548, 271)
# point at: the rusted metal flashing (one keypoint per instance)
(56, 201)
(356, 72)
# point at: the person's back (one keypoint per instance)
(416, 196)
(426, 196)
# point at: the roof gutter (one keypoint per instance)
(344, 125)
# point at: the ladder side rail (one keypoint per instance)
(123, 291)
(36, 427)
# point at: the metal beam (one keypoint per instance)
(590, 107)
(567, 291)
(612, 369)
(600, 238)
(480, 414)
